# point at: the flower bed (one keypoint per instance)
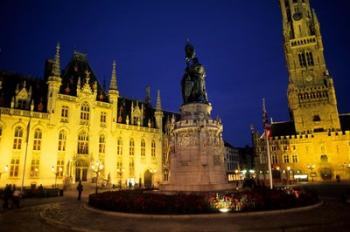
(139, 201)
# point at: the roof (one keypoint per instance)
(76, 69)
(283, 128)
(12, 82)
(344, 122)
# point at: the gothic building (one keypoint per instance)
(315, 143)
(65, 127)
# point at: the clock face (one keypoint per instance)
(309, 77)
(297, 16)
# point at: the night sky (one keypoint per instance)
(238, 41)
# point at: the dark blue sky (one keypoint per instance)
(238, 42)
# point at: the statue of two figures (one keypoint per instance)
(193, 81)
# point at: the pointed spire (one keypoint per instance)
(159, 104)
(148, 95)
(113, 84)
(56, 71)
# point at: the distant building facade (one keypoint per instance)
(60, 128)
(315, 143)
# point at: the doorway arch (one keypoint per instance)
(81, 170)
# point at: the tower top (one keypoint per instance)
(158, 104)
(113, 84)
(56, 71)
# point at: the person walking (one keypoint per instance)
(7, 195)
(16, 197)
(80, 189)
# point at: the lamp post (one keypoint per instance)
(97, 167)
(311, 167)
(56, 172)
(288, 173)
(120, 173)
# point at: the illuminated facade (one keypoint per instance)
(57, 128)
(315, 144)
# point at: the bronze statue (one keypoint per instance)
(193, 81)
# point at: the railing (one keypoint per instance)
(24, 113)
(303, 41)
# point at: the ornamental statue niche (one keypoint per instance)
(193, 81)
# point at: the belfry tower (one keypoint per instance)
(311, 94)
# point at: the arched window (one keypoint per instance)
(131, 147)
(83, 143)
(17, 141)
(120, 146)
(37, 140)
(62, 138)
(14, 167)
(153, 149)
(131, 168)
(85, 112)
(143, 147)
(102, 144)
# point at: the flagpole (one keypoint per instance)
(269, 159)
(26, 151)
(267, 132)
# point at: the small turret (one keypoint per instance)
(113, 92)
(54, 82)
(159, 113)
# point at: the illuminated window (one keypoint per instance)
(60, 168)
(302, 59)
(131, 147)
(14, 167)
(153, 149)
(286, 159)
(34, 168)
(17, 141)
(131, 167)
(85, 113)
(120, 146)
(83, 143)
(64, 113)
(102, 144)
(310, 59)
(103, 117)
(37, 140)
(21, 103)
(62, 138)
(274, 159)
(143, 147)
(295, 158)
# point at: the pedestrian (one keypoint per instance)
(7, 192)
(16, 197)
(80, 189)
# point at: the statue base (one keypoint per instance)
(197, 152)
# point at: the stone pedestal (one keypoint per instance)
(196, 152)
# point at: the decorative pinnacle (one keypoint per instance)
(56, 71)
(113, 84)
(159, 104)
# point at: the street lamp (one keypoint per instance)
(56, 172)
(120, 173)
(311, 167)
(97, 167)
(288, 173)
